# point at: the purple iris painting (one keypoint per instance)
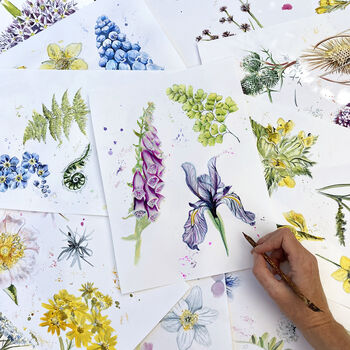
(211, 193)
(147, 181)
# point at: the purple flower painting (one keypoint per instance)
(211, 193)
(147, 182)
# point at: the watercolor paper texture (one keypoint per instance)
(44, 271)
(176, 238)
(139, 35)
(205, 297)
(48, 157)
(302, 87)
(254, 314)
(185, 20)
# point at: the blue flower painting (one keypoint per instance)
(212, 193)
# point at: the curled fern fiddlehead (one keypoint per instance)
(74, 179)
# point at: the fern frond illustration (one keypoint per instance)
(73, 179)
(58, 120)
(265, 343)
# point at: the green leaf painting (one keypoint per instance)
(57, 120)
(265, 342)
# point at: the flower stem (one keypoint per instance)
(219, 224)
(255, 19)
(61, 343)
(328, 260)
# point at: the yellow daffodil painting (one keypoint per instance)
(81, 318)
(326, 6)
(284, 156)
(298, 227)
(343, 272)
(64, 58)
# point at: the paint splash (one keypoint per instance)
(287, 7)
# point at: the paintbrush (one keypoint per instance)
(285, 278)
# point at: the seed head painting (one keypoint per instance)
(211, 193)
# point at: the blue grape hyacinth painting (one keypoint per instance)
(118, 53)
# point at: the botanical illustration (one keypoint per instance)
(228, 18)
(147, 183)
(73, 178)
(35, 16)
(343, 117)
(224, 284)
(189, 319)
(18, 251)
(58, 120)
(283, 156)
(231, 282)
(341, 200)
(265, 342)
(263, 73)
(211, 193)
(208, 110)
(10, 336)
(81, 318)
(118, 53)
(327, 6)
(76, 248)
(64, 58)
(286, 330)
(331, 55)
(298, 227)
(15, 174)
(343, 272)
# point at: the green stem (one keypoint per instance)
(11, 8)
(70, 345)
(219, 224)
(333, 186)
(328, 260)
(255, 19)
(61, 343)
(228, 15)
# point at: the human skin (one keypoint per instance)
(319, 328)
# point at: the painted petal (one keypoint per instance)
(191, 178)
(79, 64)
(296, 220)
(345, 263)
(206, 316)
(195, 228)
(171, 322)
(235, 205)
(158, 188)
(48, 65)
(201, 335)
(214, 175)
(340, 275)
(151, 197)
(180, 307)
(184, 339)
(54, 52)
(346, 285)
(205, 187)
(152, 180)
(73, 50)
(195, 299)
(153, 213)
(138, 183)
(150, 166)
(139, 208)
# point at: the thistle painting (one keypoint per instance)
(283, 156)
(211, 193)
(147, 182)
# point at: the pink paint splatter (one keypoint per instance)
(110, 152)
(210, 243)
(82, 223)
(287, 7)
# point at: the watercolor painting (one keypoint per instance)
(266, 342)
(81, 317)
(209, 111)
(15, 175)
(283, 156)
(118, 53)
(58, 120)
(228, 18)
(34, 17)
(147, 182)
(73, 179)
(341, 200)
(298, 226)
(211, 193)
(76, 247)
(189, 319)
(331, 55)
(18, 253)
(343, 272)
(328, 6)
(343, 116)
(64, 58)
(263, 73)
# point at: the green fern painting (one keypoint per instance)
(58, 120)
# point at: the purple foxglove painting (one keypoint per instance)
(211, 193)
(147, 182)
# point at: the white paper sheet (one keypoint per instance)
(26, 91)
(184, 20)
(216, 335)
(132, 316)
(132, 17)
(164, 255)
(302, 88)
